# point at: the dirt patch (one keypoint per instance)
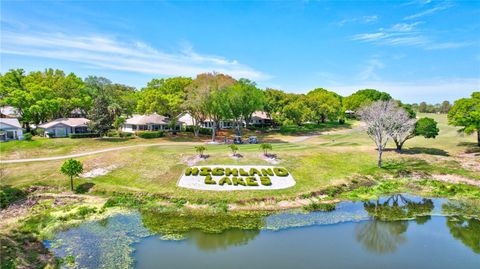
(191, 161)
(455, 179)
(20, 209)
(236, 156)
(270, 158)
(101, 171)
(470, 161)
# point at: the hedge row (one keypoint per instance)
(150, 134)
(119, 134)
(83, 135)
(204, 131)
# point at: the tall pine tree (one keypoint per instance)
(101, 118)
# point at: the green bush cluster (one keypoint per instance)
(320, 207)
(150, 134)
(126, 200)
(9, 195)
(448, 190)
(119, 134)
(83, 135)
(27, 137)
(204, 131)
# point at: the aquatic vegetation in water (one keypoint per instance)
(95, 244)
(167, 222)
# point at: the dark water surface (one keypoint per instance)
(355, 235)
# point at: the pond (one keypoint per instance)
(394, 232)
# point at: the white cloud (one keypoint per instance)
(104, 52)
(443, 6)
(364, 19)
(405, 27)
(369, 72)
(370, 36)
(406, 34)
(368, 19)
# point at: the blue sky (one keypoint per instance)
(416, 50)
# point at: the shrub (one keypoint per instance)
(320, 207)
(124, 134)
(125, 200)
(84, 135)
(27, 137)
(150, 134)
(119, 134)
(9, 195)
(84, 211)
(204, 131)
(40, 131)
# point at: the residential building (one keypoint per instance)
(261, 118)
(152, 122)
(10, 129)
(64, 126)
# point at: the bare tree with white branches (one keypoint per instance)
(384, 119)
(404, 128)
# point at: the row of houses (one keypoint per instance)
(10, 128)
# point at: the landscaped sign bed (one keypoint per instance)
(236, 177)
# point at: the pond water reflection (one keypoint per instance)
(359, 235)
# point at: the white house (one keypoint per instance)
(152, 122)
(10, 129)
(186, 119)
(64, 126)
(223, 124)
(258, 118)
(261, 118)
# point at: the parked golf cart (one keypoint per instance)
(237, 140)
(252, 140)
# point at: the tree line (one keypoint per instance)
(40, 96)
(424, 107)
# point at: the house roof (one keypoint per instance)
(8, 111)
(147, 119)
(11, 122)
(72, 122)
(261, 115)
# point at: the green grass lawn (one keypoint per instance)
(315, 163)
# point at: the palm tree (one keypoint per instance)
(266, 147)
(234, 149)
(200, 150)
